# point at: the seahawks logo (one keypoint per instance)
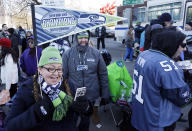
(53, 59)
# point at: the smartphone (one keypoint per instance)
(80, 92)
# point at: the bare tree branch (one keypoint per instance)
(20, 10)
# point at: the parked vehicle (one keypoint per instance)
(110, 32)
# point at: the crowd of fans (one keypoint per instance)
(55, 86)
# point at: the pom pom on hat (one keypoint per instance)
(50, 55)
(5, 42)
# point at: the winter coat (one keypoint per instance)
(22, 116)
(100, 32)
(138, 30)
(95, 78)
(26, 60)
(142, 41)
(9, 72)
(3, 35)
(129, 42)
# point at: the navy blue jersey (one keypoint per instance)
(158, 91)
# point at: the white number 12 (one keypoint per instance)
(139, 92)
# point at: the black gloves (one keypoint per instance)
(105, 101)
(43, 108)
(82, 106)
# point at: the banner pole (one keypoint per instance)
(35, 40)
(34, 23)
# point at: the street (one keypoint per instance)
(117, 51)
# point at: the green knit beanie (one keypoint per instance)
(50, 55)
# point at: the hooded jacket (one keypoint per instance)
(159, 89)
(95, 78)
(26, 60)
(167, 42)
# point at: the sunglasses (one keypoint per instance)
(183, 45)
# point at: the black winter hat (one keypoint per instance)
(168, 41)
(165, 17)
(11, 30)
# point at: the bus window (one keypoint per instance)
(173, 8)
(139, 14)
(189, 14)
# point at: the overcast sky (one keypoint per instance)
(88, 5)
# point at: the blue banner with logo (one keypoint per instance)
(51, 23)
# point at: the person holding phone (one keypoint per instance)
(45, 102)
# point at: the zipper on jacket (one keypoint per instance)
(83, 79)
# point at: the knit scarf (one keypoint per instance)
(60, 100)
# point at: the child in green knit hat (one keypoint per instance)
(50, 80)
(45, 102)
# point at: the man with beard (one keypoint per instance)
(85, 67)
(3, 33)
(28, 60)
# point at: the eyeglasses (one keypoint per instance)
(52, 70)
(183, 45)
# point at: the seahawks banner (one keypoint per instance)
(52, 23)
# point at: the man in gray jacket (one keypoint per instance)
(84, 67)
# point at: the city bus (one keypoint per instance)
(180, 10)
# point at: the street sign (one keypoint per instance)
(56, 3)
(132, 2)
(53, 23)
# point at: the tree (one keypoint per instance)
(19, 11)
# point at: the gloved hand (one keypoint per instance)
(82, 105)
(105, 101)
(43, 108)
